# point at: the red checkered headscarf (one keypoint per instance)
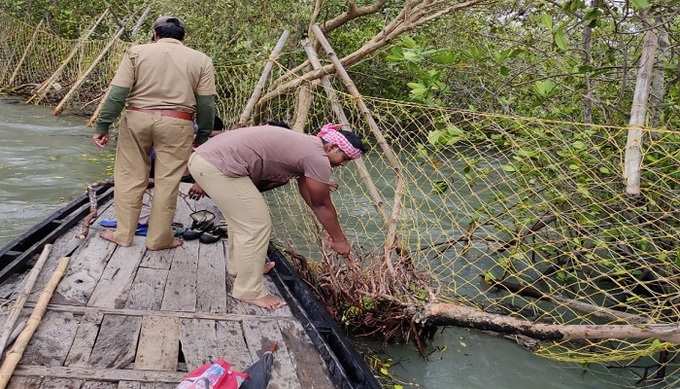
(330, 134)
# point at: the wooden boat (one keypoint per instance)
(124, 317)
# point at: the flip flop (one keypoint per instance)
(214, 234)
(112, 223)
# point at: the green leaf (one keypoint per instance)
(544, 88)
(440, 187)
(546, 21)
(509, 168)
(444, 57)
(560, 38)
(578, 145)
(639, 4)
(398, 386)
(604, 170)
(409, 42)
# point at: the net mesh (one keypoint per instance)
(517, 216)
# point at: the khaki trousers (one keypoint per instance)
(249, 224)
(172, 140)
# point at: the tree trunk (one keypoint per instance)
(638, 112)
(464, 316)
(587, 61)
(658, 92)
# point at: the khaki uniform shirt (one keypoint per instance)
(269, 155)
(165, 75)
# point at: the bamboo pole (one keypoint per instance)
(14, 355)
(257, 92)
(638, 112)
(23, 296)
(140, 22)
(60, 107)
(25, 54)
(373, 192)
(392, 159)
(45, 86)
(135, 31)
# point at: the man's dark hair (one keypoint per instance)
(170, 29)
(355, 139)
(278, 124)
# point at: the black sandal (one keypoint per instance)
(202, 221)
(215, 233)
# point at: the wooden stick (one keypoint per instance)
(257, 92)
(373, 192)
(25, 54)
(638, 112)
(60, 107)
(14, 356)
(23, 296)
(45, 86)
(140, 22)
(392, 159)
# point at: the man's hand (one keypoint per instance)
(196, 192)
(100, 140)
(341, 247)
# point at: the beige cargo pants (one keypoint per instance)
(172, 140)
(249, 225)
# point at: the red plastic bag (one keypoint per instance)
(215, 375)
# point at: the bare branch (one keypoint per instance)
(352, 13)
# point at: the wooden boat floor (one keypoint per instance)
(125, 317)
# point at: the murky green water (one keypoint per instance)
(45, 161)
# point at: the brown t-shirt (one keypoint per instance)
(165, 75)
(269, 155)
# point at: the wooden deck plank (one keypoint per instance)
(117, 341)
(24, 382)
(82, 309)
(98, 385)
(307, 363)
(113, 287)
(211, 290)
(158, 344)
(52, 340)
(84, 271)
(97, 373)
(147, 289)
(61, 383)
(129, 385)
(180, 288)
(197, 337)
(61, 247)
(260, 336)
(231, 344)
(159, 259)
(86, 335)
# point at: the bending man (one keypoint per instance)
(164, 83)
(232, 168)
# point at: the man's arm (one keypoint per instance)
(205, 102)
(205, 117)
(317, 196)
(113, 106)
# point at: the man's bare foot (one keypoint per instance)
(268, 266)
(108, 235)
(175, 243)
(267, 302)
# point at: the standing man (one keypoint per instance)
(164, 84)
(232, 168)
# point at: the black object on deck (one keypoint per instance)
(17, 254)
(346, 367)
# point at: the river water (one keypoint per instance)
(46, 161)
